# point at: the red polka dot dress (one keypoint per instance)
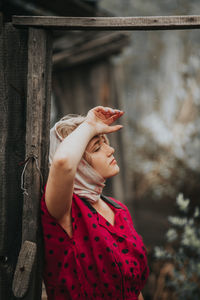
(100, 261)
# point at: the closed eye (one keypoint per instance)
(97, 149)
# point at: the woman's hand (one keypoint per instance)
(101, 118)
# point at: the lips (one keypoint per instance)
(113, 161)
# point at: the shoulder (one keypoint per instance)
(44, 210)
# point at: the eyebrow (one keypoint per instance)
(96, 141)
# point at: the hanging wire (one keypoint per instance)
(32, 156)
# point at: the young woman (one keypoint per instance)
(92, 250)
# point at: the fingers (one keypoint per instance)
(114, 117)
(108, 110)
(114, 128)
(103, 117)
(108, 113)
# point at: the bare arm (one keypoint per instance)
(60, 182)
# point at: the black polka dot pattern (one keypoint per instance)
(53, 223)
(98, 252)
(120, 239)
(125, 251)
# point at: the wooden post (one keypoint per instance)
(13, 73)
(28, 274)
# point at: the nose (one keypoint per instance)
(109, 150)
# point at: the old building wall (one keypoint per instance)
(161, 99)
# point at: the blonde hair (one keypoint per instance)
(68, 124)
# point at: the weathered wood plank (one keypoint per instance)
(37, 141)
(37, 125)
(13, 73)
(24, 267)
(90, 50)
(110, 23)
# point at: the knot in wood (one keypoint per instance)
(22, 269)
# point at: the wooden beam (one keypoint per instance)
(110, 23)
(89, 50)
(36, 164)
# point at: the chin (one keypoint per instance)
(114, 173)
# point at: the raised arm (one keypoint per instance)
(62, 172)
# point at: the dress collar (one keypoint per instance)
(105, 198)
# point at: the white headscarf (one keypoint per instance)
(88, 182)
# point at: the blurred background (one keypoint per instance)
(154, 77)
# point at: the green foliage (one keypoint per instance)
(183, 250)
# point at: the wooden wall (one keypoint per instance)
(13, 71)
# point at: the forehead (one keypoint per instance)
(96, 139)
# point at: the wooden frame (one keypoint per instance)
(110, 23)
(38, 116)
